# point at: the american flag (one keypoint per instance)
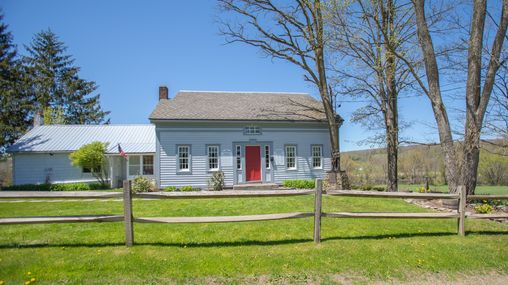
(122, 153)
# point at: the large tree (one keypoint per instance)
(479, 84)
(54, 83)
(363, 34)
(293, 32)
(13, 104)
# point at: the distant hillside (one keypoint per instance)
(419, 161)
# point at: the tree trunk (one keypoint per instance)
(434, 94)
(392, 128)
(476, 98)
(392, 144)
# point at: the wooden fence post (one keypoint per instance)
(462, 211)
(317, 210)
(127, 213)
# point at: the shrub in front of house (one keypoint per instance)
(58, 187)
(142, 184)
(169, 189)
(299, 183)
(187, 188)
(216, 182)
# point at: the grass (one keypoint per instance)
(481, 189)
(279, 250)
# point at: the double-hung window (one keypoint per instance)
(213, 157)
(183, 153)
(291, 157)
(317, 155)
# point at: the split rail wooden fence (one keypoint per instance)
(129, 219)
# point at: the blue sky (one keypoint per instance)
(131, 47)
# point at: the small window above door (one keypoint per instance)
(252, 130)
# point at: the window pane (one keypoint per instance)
(148, 165)
(252, 130)
(183, 157)
(290, 156)
(238, 157)
(134, 165)
(316, 156)
(134, 159)
(213, 157)
(267, 156)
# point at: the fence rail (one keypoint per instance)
(60, 219)
(129, 219)
(59, 195)
(376, 194)
(222, 194)
(487, 197)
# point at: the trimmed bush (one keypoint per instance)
(169, 189)
(142, 184)
(299, 183)
(58, 187)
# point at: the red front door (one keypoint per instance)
(253, 163)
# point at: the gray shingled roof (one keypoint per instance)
(234, 106)
(66, 138)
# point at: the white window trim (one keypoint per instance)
(320, 155)
(286, 157)
(189, 159)
(141, 164)
(252, 130)
(208, 157)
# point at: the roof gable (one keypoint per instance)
(239, 106)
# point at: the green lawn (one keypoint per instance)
(482, 189)
(234, 252)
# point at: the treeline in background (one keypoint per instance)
(417, 162)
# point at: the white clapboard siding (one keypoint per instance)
(198, 137)
(35, 168)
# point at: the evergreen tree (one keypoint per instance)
(54, 83)
(14, 104)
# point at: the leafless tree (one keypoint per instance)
(497, 116)
(363, 34)
(293, 32)
(478, 88)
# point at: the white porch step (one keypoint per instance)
(256, 186)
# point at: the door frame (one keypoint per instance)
(242, 172)
(260, 163)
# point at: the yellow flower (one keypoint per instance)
(27, 282)
(28, 273)
(32, 280)
(2, 282)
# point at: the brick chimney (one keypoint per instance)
(163, 92)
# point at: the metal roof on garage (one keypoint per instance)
(67, 138)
